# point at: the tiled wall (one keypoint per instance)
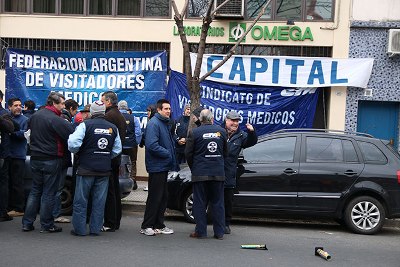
(369, 39)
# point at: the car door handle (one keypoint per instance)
(289, 171)
(350, 173)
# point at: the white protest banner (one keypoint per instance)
(288, 71)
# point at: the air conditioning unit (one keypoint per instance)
(394, 41)
(234, 9)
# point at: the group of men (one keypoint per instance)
(211, 152)
(97, 137)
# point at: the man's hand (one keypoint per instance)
(182, 141)
(250, 127)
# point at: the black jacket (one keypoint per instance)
(205, 151)
(49, 134)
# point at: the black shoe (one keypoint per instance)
(219, 237)
(28, 228)
(227, 230)
(6, 218)
(74, 233)
(107, 229)
(53, 229)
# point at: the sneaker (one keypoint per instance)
(62, 220)
(107, 229)
(227, 230)
(145, 188)
(147, 231)
(15, 213)
(53, 229)
(164, 231)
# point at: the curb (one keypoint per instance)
(136, 206)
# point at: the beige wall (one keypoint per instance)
(333, 34)
(382, 10)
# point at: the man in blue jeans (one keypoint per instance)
(96, 141)
(49, 134)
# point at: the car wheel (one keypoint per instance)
(188, 207)
(364, 215)
(67, 198)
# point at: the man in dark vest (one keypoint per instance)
(96, 141)
(206, 148)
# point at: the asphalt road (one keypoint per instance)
(289, 243)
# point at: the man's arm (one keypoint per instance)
(251, 137)
(76, 138)
(189, 149)
(138, 131)
(117, 147)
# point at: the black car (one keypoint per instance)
(350, 177)
(67, 195)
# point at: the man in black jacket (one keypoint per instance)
(49, 134)
(237, 140)
(112, 212)
(181, 131)
(205, 152)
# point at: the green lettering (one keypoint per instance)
(175, 30)
(283, 33)
(259, 32)
(295, 33)
(307, 35)
(268, 34)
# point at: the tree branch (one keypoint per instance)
(232, 50)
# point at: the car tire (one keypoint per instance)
(364, 215)
(67, 197)
(187, 206)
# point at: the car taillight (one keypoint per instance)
(398, 176)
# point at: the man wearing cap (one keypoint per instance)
(237, 140)
(181, 131)
(132, 138)
(96, 141)
(82, 115)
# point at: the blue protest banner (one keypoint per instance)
(267, 108)
(137, 77)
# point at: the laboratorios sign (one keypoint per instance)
(258, 32)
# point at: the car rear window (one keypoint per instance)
(272, 150)
(371, 153)
(323, 149)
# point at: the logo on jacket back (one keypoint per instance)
(102, 143)
(211, 135)
(103, 131)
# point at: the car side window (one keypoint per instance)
(321, 149)
(272, 150)
(372, 154)
(350, 154)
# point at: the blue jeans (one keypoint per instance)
(46, 176)
(57, 203)
(96, 187)
(209, 192)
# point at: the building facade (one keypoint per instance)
(375, 110)
(310, 28)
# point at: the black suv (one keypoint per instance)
(350, 177)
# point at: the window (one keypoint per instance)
(129, 7)
(44, 6)
(273, 150)
(15, 6)
(297, 10)
(350, 154)
(321, 149)
(157, 8)
(371, 153)
(100, 7)
(72, 6)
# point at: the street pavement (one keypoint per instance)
(289, 243)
